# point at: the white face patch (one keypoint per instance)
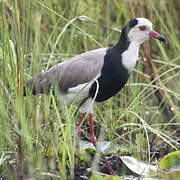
(136, 34)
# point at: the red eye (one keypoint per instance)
(142, 28)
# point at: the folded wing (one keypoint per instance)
(71, 73)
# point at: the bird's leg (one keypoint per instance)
(81, 122)
(94, 142)
(91, 132)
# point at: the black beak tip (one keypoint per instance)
(161, 38)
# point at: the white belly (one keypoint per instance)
(77, 94)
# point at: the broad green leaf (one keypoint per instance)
(171, 161)
(106, 147)
(139, 167)
(170, 166)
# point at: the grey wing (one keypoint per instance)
(77, 70)
(80, 69)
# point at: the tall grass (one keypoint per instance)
(37, 136)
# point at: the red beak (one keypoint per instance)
(156, 35)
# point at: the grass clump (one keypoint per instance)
(36, 134)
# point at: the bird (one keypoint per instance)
(97, 75)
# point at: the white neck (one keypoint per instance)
(130, 56)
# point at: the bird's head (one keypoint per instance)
(140, 30)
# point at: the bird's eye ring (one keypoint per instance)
(143, 28)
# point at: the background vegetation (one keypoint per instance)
(36, 134)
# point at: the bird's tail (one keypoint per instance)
(40, 84)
